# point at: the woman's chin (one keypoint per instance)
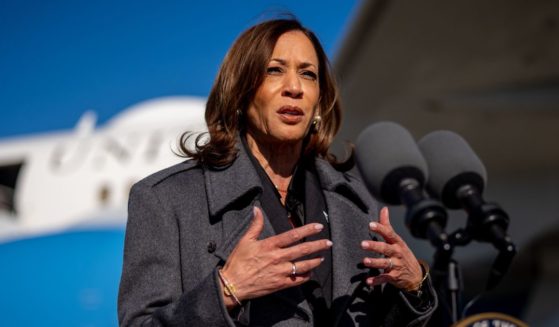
(289, 138)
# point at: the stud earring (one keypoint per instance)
(316, 123)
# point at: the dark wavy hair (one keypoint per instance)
(242, 72)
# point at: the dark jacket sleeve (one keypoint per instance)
(151, 292)
(407, 310)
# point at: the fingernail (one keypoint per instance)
(367, 261)
(254, 210)
(329, 243)
(373, 225)
(364, 244)
(369, 281)
(321, 259)
(318, 226)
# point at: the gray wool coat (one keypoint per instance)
(184, 221)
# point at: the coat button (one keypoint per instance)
(211, 246)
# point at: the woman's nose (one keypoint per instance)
(292, 86)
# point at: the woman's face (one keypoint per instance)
(287, 99)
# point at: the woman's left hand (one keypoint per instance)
(401, 267)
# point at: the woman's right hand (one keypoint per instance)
(260, 267)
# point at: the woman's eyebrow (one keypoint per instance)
(307, 65)
(304, 64)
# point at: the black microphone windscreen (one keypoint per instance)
(452, 163)
(386, 153)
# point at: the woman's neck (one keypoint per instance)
(277, 159)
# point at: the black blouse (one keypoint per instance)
(304, 204)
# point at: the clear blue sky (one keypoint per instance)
(61, 58)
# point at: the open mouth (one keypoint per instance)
(290, 111)
(291, 114)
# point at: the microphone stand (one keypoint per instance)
(426, 218)
(447, 274)
(447, 278)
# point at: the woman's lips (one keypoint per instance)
(291, 114)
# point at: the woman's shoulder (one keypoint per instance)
(184, 174)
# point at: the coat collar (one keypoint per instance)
(345, 184)
(227, 185)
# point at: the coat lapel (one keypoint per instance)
(347, 235)
(232, 193)
(349, 212)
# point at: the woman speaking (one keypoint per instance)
(263, 226)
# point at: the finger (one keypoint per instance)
(384, 218)
(256, 226)
(300, 250)
(378, 263)
(386, 232)
(378, 247)
(287, 238)
(384, 228)
(378, 280)
(304, 267)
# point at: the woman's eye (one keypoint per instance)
(273, 70)
(310, 75)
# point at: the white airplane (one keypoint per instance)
(62, 180)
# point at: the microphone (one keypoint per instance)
(395, 172)
(458, 178)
